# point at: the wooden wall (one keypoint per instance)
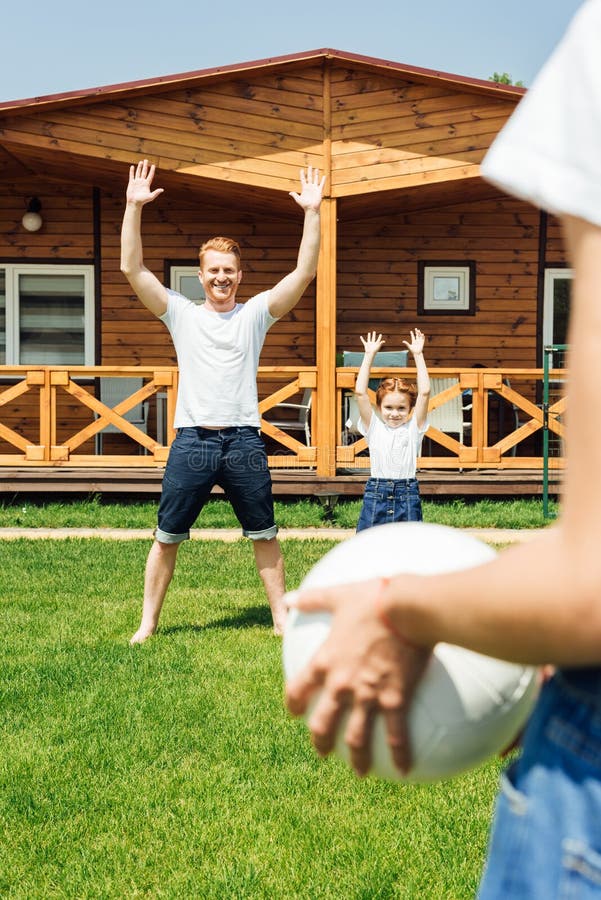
(68, 230)
(172, 229)
(386, 130)
(555, 247)
(249, 131)
(378, 273)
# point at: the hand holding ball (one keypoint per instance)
(467, 707)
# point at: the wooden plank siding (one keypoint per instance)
(387, 132)
(68, 222)
(253, 133)
(401, 152)
(378, 272)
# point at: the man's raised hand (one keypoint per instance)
(140, 182)
(311, 189)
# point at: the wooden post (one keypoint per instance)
(325, 316)
(42, 450)
(324, 410)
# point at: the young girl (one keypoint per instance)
(392, 492)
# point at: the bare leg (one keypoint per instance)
(270, 566)
(159, 572)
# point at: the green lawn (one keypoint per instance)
(172, 770)
(38, 512)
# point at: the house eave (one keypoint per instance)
(188, 79)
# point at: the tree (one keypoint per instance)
(505, 78)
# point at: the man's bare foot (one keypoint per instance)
(279, 619)
(141, 635)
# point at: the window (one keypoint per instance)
(46, 315)
(556, 308)
(185, 280)
(446, 288)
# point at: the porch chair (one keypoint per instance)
(393, 358)
(112, 392)
(450, 416)
(300, 422)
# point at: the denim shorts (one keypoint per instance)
(233, 458)
(546, 837)
(390, 500)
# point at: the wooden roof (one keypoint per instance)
(276, 62)
(240, 133)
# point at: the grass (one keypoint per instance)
(96, 512)
(172, 770)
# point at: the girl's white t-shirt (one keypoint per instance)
(393, 452)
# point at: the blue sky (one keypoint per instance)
(64, 45)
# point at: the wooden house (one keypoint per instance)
(411, 236)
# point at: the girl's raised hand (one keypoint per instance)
(416, 345)
(371, 343)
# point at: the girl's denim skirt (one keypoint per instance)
(390, 500)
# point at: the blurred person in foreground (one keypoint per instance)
(538, 603)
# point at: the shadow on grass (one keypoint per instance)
(246, 618)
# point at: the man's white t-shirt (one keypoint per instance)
(217, 356)
(393, 452)
(549, 152)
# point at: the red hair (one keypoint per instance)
(222, 245)
(396, 386)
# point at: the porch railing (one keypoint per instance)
(51, 415)
(505, 419)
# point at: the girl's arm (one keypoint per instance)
(416, 346)
(371, 345)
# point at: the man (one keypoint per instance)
(217, 418)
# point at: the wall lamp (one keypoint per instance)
(32, 220)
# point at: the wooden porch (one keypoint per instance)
(142, 481)
(51, 416)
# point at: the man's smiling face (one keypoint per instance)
(220, 276)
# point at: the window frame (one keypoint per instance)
(176, 270)
(13, 271)
(463, 270)
(552, 273)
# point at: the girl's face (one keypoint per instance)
(395, 408)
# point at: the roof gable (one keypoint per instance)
(310, 57)
(371, 126)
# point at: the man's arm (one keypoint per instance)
(146, 285)
(287, 292)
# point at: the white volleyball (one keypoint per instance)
(467, 707)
